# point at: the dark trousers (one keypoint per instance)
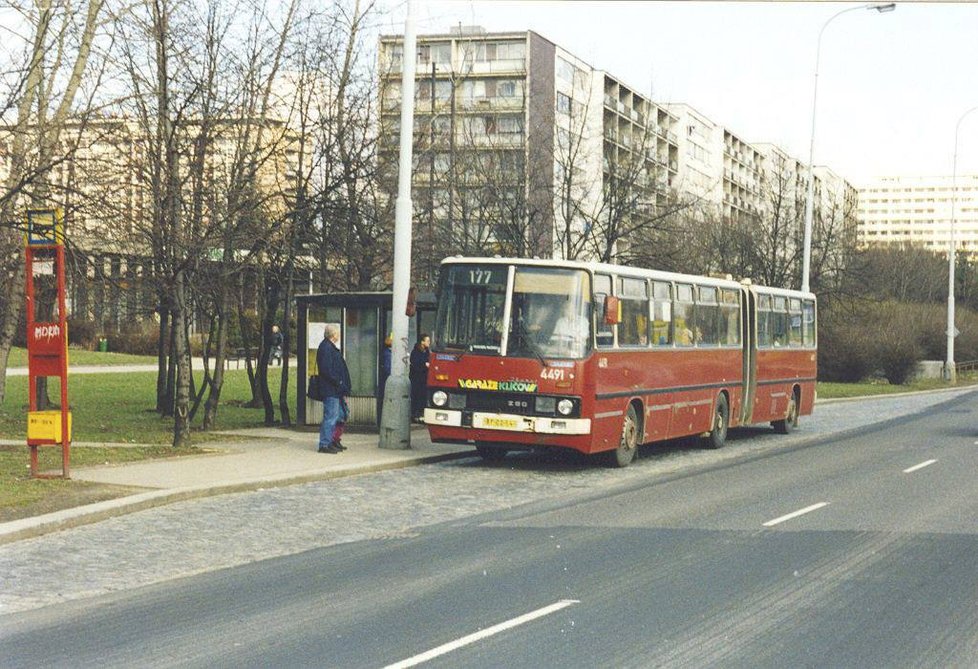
(419, 390)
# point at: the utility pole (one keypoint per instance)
(431, 183)
(395, 425)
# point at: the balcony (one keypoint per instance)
(496, 66)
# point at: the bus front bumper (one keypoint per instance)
(508, 422)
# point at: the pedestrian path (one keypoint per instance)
(198, 364)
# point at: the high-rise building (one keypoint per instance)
(518, 141)
(917, 211)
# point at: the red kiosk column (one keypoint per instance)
(47, 342)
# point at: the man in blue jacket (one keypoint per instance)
(334, 382)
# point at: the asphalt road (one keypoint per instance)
(852, 552)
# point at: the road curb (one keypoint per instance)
(27, 528)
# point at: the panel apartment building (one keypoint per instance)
(515, 111)
(898, 211)
(564, 134)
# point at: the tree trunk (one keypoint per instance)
(181, 354)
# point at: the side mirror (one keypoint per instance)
(612, 310)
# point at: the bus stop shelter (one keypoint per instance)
(364, 320)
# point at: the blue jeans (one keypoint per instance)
(331, 415)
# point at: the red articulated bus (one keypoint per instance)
(601, 359)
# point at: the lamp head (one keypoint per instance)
(882, 9)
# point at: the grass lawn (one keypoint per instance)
(118, 408)
(107, 408)
(24, 497)
(836, 390)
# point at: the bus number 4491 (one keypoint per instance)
(552, 373)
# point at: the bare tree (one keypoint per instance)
(57, 46)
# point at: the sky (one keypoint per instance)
(892, 87)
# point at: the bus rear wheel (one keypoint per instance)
(628, 444)
(790, 421)
(717, 436)
(490, 453)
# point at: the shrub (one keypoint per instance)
(844, 353)
(135, 338)
(858, 339)
(82, 332)
(897, 342)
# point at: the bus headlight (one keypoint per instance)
(565, 407)
(439, 398)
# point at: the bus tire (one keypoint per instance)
(717, 436)
(490, 453)
(628, 444)
(790, 421)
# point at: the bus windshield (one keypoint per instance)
(550, 313)
(470, 308)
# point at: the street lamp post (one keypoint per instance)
(950, 369)
(395, 423)
(810, 197)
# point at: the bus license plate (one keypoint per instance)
(500, 423)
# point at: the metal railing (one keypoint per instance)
(966, 366)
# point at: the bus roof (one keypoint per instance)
(622, 270)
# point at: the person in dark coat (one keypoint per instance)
(418, 374)
(334, 382)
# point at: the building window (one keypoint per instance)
(565, 71)
(563, 103)
(506, 89)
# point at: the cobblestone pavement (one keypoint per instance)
(212, 533)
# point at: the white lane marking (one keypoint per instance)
(926, 463)
(471, 638)
(799, 512)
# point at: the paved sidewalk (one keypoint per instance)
(272, 457)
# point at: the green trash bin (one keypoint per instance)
(103, 345)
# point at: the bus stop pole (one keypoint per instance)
(395, 423)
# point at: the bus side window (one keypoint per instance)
(634, 329)
(729, 318)
(794, 323)
(808, 318)
(661, 314)
(682, 315)
(765, 339)
(780, 313)
(605, 332)
(707, 316)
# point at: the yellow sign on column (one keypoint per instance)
(45, 426)
(45, 226)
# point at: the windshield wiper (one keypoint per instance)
(529, 344)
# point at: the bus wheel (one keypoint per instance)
(490, 453)
(721, 419)
(628, 445)
(790, 421)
